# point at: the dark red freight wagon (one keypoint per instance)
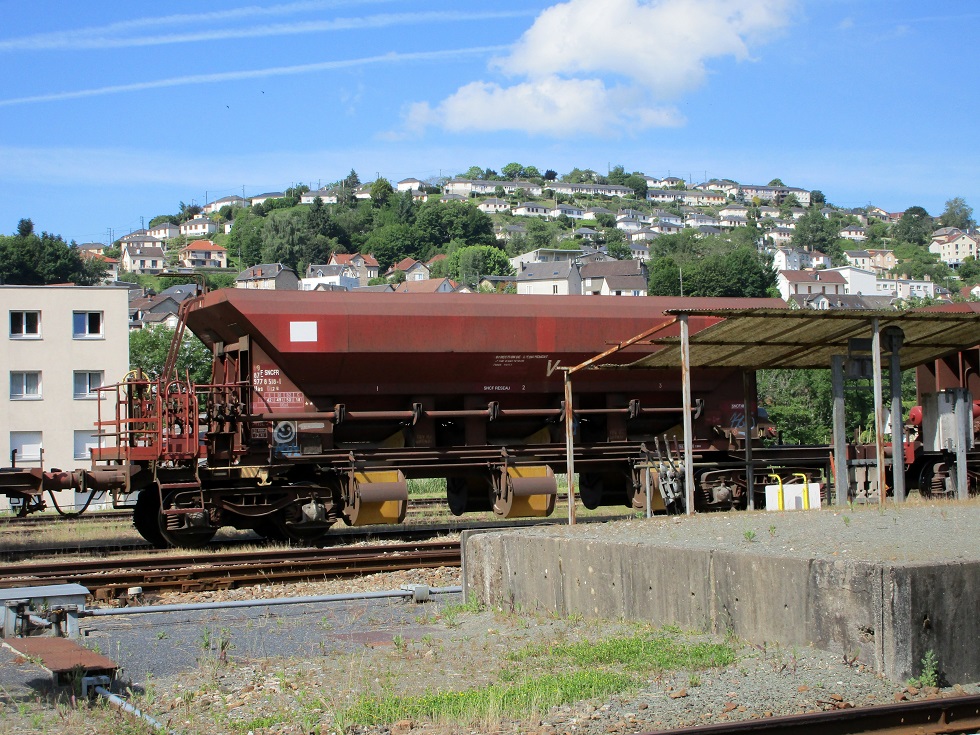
(323, 403)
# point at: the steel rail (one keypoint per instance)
(193, 573)
(940, 716)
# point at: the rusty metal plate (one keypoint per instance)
(60, 655)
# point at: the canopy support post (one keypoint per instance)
(879, 409)
(569, 447)
(841, 489)
(688, 428)
(748, 395)
(894, 338)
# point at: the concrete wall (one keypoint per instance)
(887, 615)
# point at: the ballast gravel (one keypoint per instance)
(295, 670)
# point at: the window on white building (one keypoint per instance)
(25, 385)
(25, 446)
(85, 441)
(25, 324)
(86, 383)
(554, 288)
(87, 324)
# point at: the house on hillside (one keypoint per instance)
(414, 270)
(493, 205)
(854, 232)
(568, 210)
(365, 266)
(263, 198)
(268, 276)
(559, 278)
(615, 278)
(339, 276)
(111, 264)
(325, 195)
(229, 201)
(203, 254)
(428, 285)
(530, 209)
(143, 259)
(198, 227)
(806, 283)
(164, 231)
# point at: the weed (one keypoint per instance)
(847, 520)
(161, 634)
(930, 669)
(749, 535)
(399, 642)
(772, 531)
(694, 680)
(205, 642)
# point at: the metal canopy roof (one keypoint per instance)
(755, 339)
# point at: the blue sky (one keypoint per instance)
(113, 111)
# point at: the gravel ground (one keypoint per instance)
(293, 669)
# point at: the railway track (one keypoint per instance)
(946, 716)
(214, 571)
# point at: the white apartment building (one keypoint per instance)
(59, 344)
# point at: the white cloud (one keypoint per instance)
(548, 105)
(600, 66)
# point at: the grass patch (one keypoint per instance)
(528, 695)
(428, 487)
(589, 670)
(638, 653)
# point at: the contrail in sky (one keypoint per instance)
(275, 71)
(65, 39)
(104, 38)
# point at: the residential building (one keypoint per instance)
(568, 210)
(466, 187)
(427, 285)
(955, 247)
(591, 212)
(858, 258)
(263, 198)
(906, 288)
(806, 283)
(111, 264)
(734, 210)
(414, 270)
(774, 193)
(59, 345)
(409, 185)
(164, 231)
(698, 198)
(340, 276)
(664, 196)
(143, 259)
(493, 205)
(882, 260)
(530, 209)
(198, 227)
(327, 196)
(606, 190)
(633, 214)
(587, 233)
(134, 235)
(615, 278)
(546, 255)
(855, 233)
(365, 266)
(229, 201)
(508, 232)
(858, 281)
(559, 278)
(203, 254)
(268, 276)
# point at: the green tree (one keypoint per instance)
(389, 244)
(148, 348)
(245, 240)
(957, 214)
(468, 264)
(381, 192)
(32, 260)
(914, 226)
(665, 277)
(817, 198)
(638, 184)
(776, 182)
(969, 270)
(816, 232)
(512, 171)
(616, 245)
(473, 173)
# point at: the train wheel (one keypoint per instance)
(186, 531)
(932, 479)
(469, 494)
(146, 517)
(605, 488)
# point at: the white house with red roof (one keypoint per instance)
(203, 254)
(808, 282)
(365, 266)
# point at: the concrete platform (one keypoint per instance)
(884, 586)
